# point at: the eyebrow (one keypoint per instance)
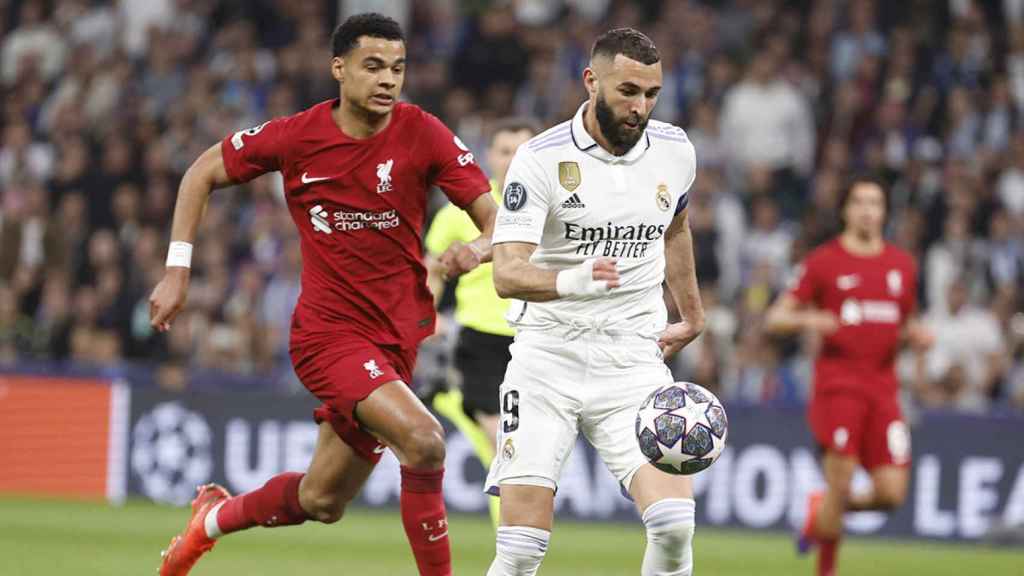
(637, 88)
(380, 61)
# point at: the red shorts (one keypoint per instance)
(869, 427)
(343, 370)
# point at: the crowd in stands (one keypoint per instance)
(103, 105)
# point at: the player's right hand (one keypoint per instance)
(822, 321)
(168, 298)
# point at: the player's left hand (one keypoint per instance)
(458, 259)
(676, 336)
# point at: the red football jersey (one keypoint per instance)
(872, 297)
(360, 207)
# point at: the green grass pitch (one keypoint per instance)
(51, 538)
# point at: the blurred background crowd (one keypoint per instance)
(103, 105)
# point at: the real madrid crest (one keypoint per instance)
(508, 451)
(663, 198)
(569, 175)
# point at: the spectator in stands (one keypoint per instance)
(766, 121)
(968, 360)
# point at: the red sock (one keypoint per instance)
(827, 557)
(276, 503)
(425, 520)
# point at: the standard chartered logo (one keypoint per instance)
(351, 221)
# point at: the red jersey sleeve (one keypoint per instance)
(254, 152)
(805, 285)
(453, 166)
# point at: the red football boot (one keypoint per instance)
(186, 548)
(806, 539)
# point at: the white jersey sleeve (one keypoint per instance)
(525, 200)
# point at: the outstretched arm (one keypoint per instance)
(203, 176)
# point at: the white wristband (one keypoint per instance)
(179, 254)
(579, 281)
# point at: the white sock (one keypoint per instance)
(212, 529)
(670, 525)
(520, 550)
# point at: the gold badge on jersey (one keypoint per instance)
(663, 198)
(569, 175)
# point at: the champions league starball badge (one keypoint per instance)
(515, 196)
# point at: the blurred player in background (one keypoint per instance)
(481, 353)
(593, 221)
(356, 172)
(860, 294)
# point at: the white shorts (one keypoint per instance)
(556, 386)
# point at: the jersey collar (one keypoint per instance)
(582, 139)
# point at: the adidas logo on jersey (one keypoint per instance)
(573, 202)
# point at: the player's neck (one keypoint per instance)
(356, 123)
(592, 127)
(861, 245)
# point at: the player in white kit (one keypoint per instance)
(593, 221)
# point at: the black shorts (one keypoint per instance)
(481, 358)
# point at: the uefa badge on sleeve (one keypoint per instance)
(515, 196)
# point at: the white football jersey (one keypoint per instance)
(575, 201)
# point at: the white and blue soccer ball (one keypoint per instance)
(681, 428)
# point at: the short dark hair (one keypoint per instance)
(346, 36)
(631, 43)
(514, 124)
(858, 179)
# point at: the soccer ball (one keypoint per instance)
(681, 428)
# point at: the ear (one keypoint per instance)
(338, 68)
(590, 81)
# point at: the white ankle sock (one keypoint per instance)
(212, 529)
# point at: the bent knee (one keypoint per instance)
(325, 508)
(890, 499)
(423, 446)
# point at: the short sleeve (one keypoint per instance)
(453, 167)
(804, 286)
(524, 203)
(254, 152)
(689, 163)
(443, 229)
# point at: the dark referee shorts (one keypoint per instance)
(481, 358)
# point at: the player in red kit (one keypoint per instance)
(356, 171)
(859, 293)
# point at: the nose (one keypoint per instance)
(639, 106)
(387, 79)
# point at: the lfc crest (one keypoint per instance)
(569, 175)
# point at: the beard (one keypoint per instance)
(621, 137)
